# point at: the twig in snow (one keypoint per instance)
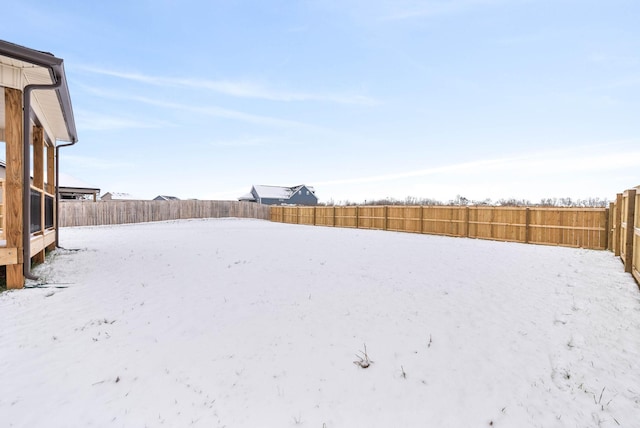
(363, 359)
(430, 342)
(600, 399)
(404, 375)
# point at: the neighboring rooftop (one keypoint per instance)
(281, 195)
(117, 196)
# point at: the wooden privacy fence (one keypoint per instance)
(570, 227)
(625, 232)
(75, 213)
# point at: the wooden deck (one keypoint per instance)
(39, 240)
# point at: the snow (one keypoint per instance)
(67, 180)
(120, 196)
(248, 323)
(273, 192)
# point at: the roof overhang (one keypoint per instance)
(78, 190)
(21, 66)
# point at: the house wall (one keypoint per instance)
(269, 201)
(303, 197)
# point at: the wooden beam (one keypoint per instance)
(14, 183)
(8, 256)
(38, 156)
(37, 136)
(51, 169)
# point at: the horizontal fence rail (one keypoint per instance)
(77, 213)
(569, 227)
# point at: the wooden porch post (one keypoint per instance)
(14, 183)
(38, 179)
(51, 171)
(51, 184)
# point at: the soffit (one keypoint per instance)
(46, 105)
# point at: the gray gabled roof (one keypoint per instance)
(273, 192)
(279, 192)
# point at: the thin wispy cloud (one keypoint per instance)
(619, 60)
(467, 167)
(532, 165)
(90, 121)
(223, 113)
(96, 163)
(241, 89)
(421, 9)
(243, 142)
(526, 39)
(213, 111)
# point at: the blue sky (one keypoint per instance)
(361, 99)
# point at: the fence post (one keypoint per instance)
(527, 222)
(422, 219)
(628, 250)
(386, 217)
(467, 210)
(606, 229)
(611, 223)
(357, 217)
(617, 225)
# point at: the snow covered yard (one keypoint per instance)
(247, 323)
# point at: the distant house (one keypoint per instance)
(69, 187)
(115, 196)
(277, 195)
(165, 198)
(72, 188)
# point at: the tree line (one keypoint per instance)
(463, 201)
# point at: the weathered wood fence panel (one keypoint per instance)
(346, 217)
(498, 223)
(572, 227)
(635, 257)
(404, 219)
(568, 227)
(74, 213)
(450, 221)
(325, 216)
(306, 215)
(371, 217)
